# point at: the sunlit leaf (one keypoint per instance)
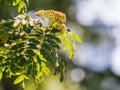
(38, 59)
(26, 77)
(45, 69)
(19, 79)
(68, 44)
(23, 84)
(1, 75)
(22, 6)
(76, 37)
(15, 2)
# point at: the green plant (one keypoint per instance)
(29, 47)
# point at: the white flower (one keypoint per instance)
(13, 44)
(57, 63)
(20, 16)
(17, 22)
(24, 21)
(20, 19)
(6, 45)
(31, 22)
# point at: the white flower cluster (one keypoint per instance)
(22, 19)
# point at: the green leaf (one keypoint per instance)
(15, 2)
(23, 84)
(61, 77)
(30, 53)
(17, 46)
(34, 41)
(46, 45)
(26, 77)
(68, 30)
(38, 59)
(32, 46)
(57, 70)
(46, 54)
(53, 43)
(26, 29)
(76, 37)
(55, 30)
(53, 37)
(71, 54)
(22, 6)
(19, 50)
(1, 75)
(68, 44)
(8, 73)
(19, 79)
(45, 69)
(40, 74)
(38, 67)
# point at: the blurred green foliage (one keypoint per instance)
(21, 4)
(28, 49)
